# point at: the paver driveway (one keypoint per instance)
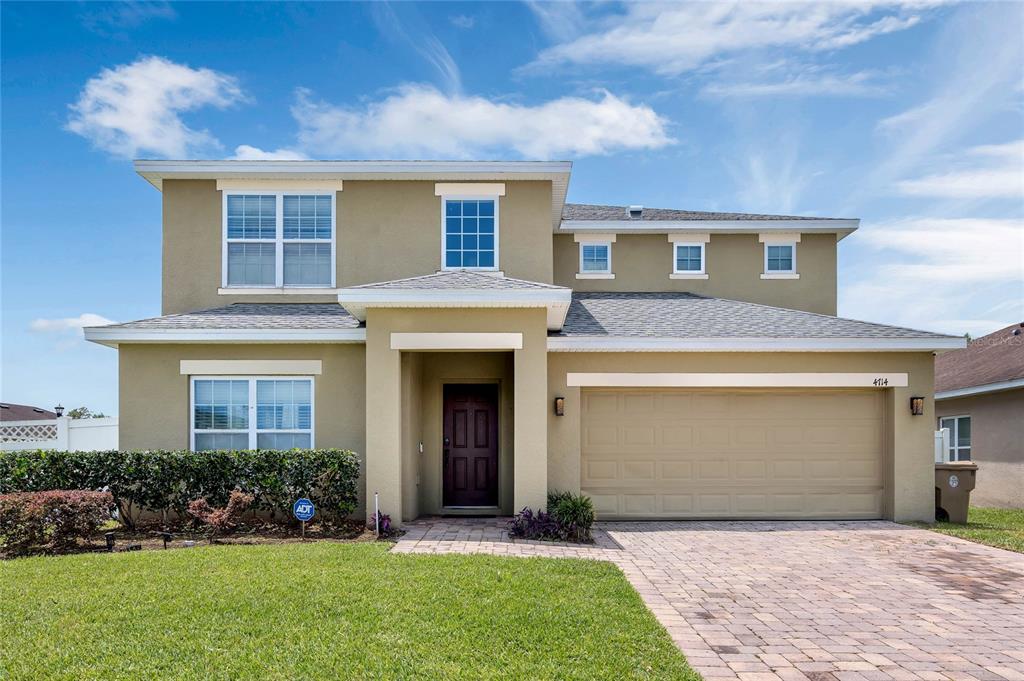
(795, 600)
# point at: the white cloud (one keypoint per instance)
(462, 21)
(806, 83)
(954, 250)
(244, 152)
(674, 38)
(420, 38)
(68, 324)
(110, 18)
(993, 171)
(136, 108)
(420, 121)
(977, 76)
(953, 275)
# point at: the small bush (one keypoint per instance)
(574, 513)
(569, 517)
(56, 519)
(221, 520)
(528, 524)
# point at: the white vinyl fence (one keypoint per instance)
(63, 433)
(942, 453)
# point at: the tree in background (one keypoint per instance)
(84, 413)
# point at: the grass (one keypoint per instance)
(325, 611)
(1001, 527)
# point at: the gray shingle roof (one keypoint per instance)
(253, 316)
(586, 211)
(685, 315)
(458, 279)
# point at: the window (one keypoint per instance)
(959, 436)
(689, 259)
(252, 413)
(595, 258)
(276, 240)
(780, 258)
(470, 234)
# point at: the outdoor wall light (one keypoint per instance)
(917, 406)
(59, 410)
(559, 406)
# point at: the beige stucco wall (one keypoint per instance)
(997, 444)
(390, 435)
(154, 396)
(734, 263)
(909, 439)
(386, 230)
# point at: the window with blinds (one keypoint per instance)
(275, 240)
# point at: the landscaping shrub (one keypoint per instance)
(574, 514)
(569, 517)
(168, 481)
(221, 520)
(55, 519)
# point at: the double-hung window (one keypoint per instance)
(470, 234)
(688, 259)
(252, 413)
(278, 239)
(959, 436)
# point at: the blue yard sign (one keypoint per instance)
(303, 509)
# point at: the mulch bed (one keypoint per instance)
(148, 538)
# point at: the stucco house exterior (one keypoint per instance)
(979, 397)
(480, 342)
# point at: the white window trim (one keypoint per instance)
(954, 445)
(497, 225)
(780, 274)
(252, 431)
(606, 273)
(278, 241)
(689, 274)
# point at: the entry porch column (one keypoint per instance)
(383, 424)
(531, 423)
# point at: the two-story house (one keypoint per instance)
(480, 342)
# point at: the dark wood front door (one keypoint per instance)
(470, 447)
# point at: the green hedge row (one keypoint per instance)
(165, 481)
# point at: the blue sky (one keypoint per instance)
(909, 116)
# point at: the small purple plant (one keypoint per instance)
(528, 524)
(384, 528)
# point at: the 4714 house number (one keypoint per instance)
(880, 382)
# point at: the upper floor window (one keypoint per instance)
(252, 413)
(780, 258)
(276, 239)
(595, 258)
(959, 436)
(689, 259)
(470, 234)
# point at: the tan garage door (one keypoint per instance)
(673, 453)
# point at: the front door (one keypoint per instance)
(470, 447)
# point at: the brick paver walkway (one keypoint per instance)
(760, 601)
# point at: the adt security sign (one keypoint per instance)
(303, 510)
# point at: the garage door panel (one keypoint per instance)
(717, 453)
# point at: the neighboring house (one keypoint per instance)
(24, 412)
(979, 397)
(480, 342)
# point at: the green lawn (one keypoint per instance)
(324, 611)
(1002, 527)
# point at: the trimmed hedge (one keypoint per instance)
(57, 519)
(167, 481)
